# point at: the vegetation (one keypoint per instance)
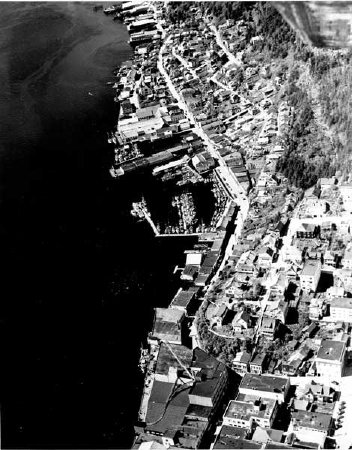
(220, 347)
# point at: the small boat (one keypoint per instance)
(89, 93)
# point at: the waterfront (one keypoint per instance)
(81, 274)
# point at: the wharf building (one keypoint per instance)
(181, 410)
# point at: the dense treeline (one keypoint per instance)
(318, 142)
(308, 151)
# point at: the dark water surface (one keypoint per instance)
(80, 276)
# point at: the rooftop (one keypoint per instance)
(183, 297)
(160, 417)
(316, 421)
(263, 383)
(166, 359)
(168, 315)
(331, 350)
(266, 434)
(341, 302)
(245, 410)
(310, 268)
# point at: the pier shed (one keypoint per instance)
(168, 325)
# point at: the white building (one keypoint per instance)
(330, 359)
(244, 414)
(310, 275)
(341, 309)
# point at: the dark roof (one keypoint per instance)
(211, 370)
(236, 432)
(331, 350)
(183, 297)
(313, 420)
(258, 359)
(166, 359)
(159, 419)
(199, 411)
(233, 443)
(160, 392)
(263, 383)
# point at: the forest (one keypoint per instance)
(318, 86)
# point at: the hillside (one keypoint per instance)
(317, 85)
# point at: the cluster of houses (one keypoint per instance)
(284, 290)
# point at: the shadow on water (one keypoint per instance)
(81, 276)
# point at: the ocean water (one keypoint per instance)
(80, 276)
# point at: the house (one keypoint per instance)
(341, 309)
(311, 330)
(241, 362)
(244, 414)
(347, 258)
(241, 321)
(269, 327)
(330, 359)
(294, 362)
(228, 435)
(330, 260)
(310, 275)
(281, 284)
(317, 392)
(307, 231)
(257, 364)
(217, 314)
(265, 256)
(326, 183)
(317, 308)
(291, 253)
(277, 309)
(265, 386)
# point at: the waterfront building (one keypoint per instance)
(180, 412)
(171, 362)
(167, 326)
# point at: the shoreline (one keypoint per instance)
(225, 236)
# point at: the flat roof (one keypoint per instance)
(166, 358)
(263, 383)
(310, 268)
(168, 315)
(174, 413)
(314, 420)
(228, 442)
(341, 302)
(245, 410)
(331, 350)
(183, 297)
(167, 331)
